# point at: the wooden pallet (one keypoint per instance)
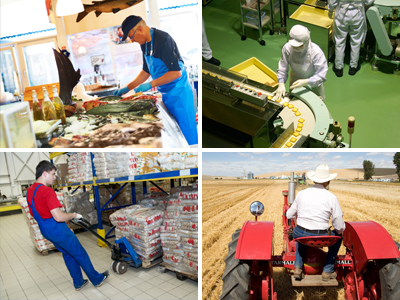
(46, 252)
(180, 274)
(151, 263)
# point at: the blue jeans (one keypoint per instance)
(301, 249)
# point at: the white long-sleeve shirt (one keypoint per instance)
(319, 69)
(314, 207)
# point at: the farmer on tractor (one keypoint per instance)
(313, 208)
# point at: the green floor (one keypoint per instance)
(373, 98)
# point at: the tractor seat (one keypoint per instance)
(318, 241)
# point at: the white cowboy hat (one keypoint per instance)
(321, 174)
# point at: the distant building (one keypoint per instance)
(250, 175)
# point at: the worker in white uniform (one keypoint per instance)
(313, 208)
(307, 62)
(349, 19)
(206, 50)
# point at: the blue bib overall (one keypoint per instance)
(75, 256)
(177, 95)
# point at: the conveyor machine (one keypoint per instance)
(239, 109)
(384, 18)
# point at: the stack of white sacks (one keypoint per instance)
(116, 164)
(165, 225)
(169, 161)
(37, 238)
(179, 233)
(79, 167)
(141, 226)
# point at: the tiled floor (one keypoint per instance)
(27, 274)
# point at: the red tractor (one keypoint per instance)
(370, 270)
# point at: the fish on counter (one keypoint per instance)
(134, 134)
(106, 6)
(119, 107)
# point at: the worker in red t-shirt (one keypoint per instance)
(45, 208)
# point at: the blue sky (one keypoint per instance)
(233, 163)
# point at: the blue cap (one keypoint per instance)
(128, 24)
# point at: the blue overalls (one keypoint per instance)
(177, 95)
(75, 256)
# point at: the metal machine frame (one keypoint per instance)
(381, 16)
(247, 108)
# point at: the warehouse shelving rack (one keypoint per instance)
(171, 175)
(257, 6)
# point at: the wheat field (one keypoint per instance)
(226, 203)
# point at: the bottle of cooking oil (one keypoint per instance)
(37, 109)
(48, 107)
(59, 106)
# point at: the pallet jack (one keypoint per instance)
(122, 253)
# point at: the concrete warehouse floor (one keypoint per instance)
(26, 274)
(373, 98)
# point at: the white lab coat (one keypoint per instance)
(309, 64)
(349, 19)
(206, 50)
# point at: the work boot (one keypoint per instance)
(213, 61)
(353, 71)
(338, 72)
(328, 276)
(298, 273)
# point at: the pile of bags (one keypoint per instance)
(115, 164)
(37, 238)
(163, 225)
(141, 227)
(170, 161)
(179, 233)
(79, 167)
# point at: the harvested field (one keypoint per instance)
(226, 207)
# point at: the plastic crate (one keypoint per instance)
(252, 17)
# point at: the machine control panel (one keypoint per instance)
(248, 94)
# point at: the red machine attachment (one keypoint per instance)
(318, 241)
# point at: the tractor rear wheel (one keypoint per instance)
(236, 278)
(389, 277)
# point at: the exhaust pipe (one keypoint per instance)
(292, 188)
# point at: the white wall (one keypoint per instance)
(18, 168)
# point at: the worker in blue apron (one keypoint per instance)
(75, 256)
(162, 61)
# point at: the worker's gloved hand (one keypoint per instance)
(330, 15)
(298, 83)
(143, 87)
(121, 91)
(280, 92)
(78, 216)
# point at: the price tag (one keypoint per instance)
(184, 172)
(131, 178)
(97, 60)
(112, 179)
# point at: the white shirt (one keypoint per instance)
(314, 207)
(313, 62)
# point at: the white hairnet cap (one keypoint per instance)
(298, 35)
